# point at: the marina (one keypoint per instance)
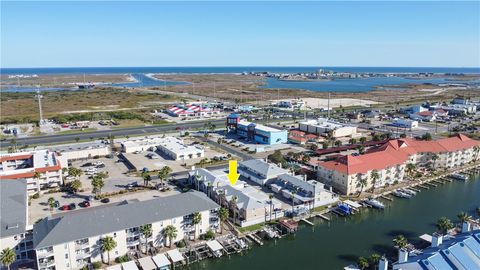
(374, 229)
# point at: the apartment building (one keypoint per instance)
(15, 232)
(71, 240)
(40, 168)
(260, 171)
(389, 161)
(306, 193)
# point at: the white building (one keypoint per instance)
(259, 171)
(81, 150)
(41, 168)
(405, 123)
(324, 126)
(308, 193)
(176, 149)
(71, 240)
(140, 145)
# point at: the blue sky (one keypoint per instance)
(88, 34)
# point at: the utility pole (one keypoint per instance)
(328, 106)
(39, 97)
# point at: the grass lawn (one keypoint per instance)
(73, 131)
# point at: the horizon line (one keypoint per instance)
(240, 66)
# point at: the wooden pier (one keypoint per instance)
(424, 187)
(388, 198)
(415, 189)
(255, 239)
(323, 217)
(307, 221)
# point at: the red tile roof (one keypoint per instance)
(396, 152)
(15, 157)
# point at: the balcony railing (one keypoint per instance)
(46, 263)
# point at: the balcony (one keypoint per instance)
(41, 253)
(46, 263)
(82, 254)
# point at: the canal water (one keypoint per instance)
(335, 244)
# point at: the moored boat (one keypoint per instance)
(460, 176)
(375, 203)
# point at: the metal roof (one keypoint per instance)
(101, 220)
(13, 207)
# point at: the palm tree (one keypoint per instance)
(36, 175)
(444, 225)
(338, 143)
(197, 218)
(97, 184)
(476, 152)
(363, 140)
(146, 178)
(107, 244)
(163, 174)
(75, 172)
(170, 232)
(352, 141)
(362, 263)
(361, 149)
(51, 203)
(75, 185)
(362, 183)
(146, 231)
(434, 159)
(223, 215)
(270, 197)
(400, 241)
(375, 176)
(7, 257)
(305, 159)
(410, 169)
(233, 207)
(374, 259)
(463, 217)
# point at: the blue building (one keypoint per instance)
(255, 132)
(261, 134)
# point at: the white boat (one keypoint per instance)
(460, 176)
(400, 194)
(375, 203)
(241, 243)
(408, 191)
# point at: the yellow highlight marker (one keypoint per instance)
(232, 172)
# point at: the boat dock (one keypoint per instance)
(255, 239)
(323, 217)
(424, 187)
(307, 221)
(388, 198)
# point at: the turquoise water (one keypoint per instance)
(335, 244)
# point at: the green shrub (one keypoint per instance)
(36, 196)
(121, 259)
(181, 244)
(97, 265)
(209, 235)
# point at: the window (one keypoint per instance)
(66, 255)
(114, 234)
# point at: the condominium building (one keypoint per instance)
(389, 161)
(40, 168)
(15, 230)
(307, 193)
(260, 171)
(71, 240)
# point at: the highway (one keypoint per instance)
(121, 132)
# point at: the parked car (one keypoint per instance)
(56, 204)
(64, 207)
(85, 204)
(100, 165)
(88, 164)
(105, 200)
(72, 206)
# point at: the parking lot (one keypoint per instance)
(39, 208)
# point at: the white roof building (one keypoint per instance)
(322, 126)
(176, 149)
